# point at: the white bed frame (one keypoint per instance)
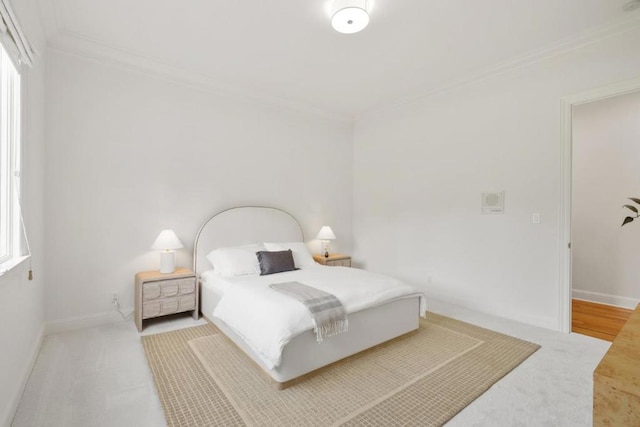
(367, 328)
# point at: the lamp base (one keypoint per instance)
(325, 248)
(167, 262)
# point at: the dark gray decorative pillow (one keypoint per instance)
(275, 262)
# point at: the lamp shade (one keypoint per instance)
(167, 240)
(349, 16)
(326, 233)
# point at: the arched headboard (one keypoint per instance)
(243, 225)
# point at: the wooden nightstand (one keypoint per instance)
(334, 260)
(159, 294)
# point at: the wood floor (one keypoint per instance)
(597, 320)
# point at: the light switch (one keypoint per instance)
(535, 218)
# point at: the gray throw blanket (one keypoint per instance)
(329, 316)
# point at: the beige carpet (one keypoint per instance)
(423, 379)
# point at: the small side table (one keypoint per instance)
(159, 294)
(334, 260)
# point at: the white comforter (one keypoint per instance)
(267, 320)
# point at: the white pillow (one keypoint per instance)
(236, 261)
(302, 258)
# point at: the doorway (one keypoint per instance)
(565, 235)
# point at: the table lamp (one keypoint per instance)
(325, 234)
(166, 242)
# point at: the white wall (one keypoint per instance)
(130, 154)
(22, 302)
(606, 171)
(420, 168)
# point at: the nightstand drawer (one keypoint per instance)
(168, 306)
(187, 286)
(167, 288)
(159, 307)
(339, 263)
(186, 302)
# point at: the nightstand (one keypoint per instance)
(158, 294)
(334, 260)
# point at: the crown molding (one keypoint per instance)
(561, 47)
(48, 18)
(65, 41)
(77, 44)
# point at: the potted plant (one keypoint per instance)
(633, 209)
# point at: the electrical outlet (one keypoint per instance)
(114, 299)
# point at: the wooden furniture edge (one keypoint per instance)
(155, 275)
(331, 257)
(616, 379)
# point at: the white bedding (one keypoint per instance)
(217, 282)
(267, 320)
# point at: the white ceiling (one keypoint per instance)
(286, 49)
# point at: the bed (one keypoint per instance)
(302, 354)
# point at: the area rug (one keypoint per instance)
(423, 379)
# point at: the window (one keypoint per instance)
(15, 51)
(10, 236)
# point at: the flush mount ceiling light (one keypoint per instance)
(349, 16)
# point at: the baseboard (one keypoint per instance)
(601, 298)
(541, 322)
(550, 323)
(7, 417)
(81, 322)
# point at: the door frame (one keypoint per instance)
(566, 160)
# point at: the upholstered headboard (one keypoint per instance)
(243, 225)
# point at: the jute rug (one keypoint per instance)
(423, 379)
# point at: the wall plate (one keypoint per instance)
(492, 203)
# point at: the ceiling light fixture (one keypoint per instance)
(349, 16)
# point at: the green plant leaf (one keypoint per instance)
(635, 200)
(633, 208)
(627, 220)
